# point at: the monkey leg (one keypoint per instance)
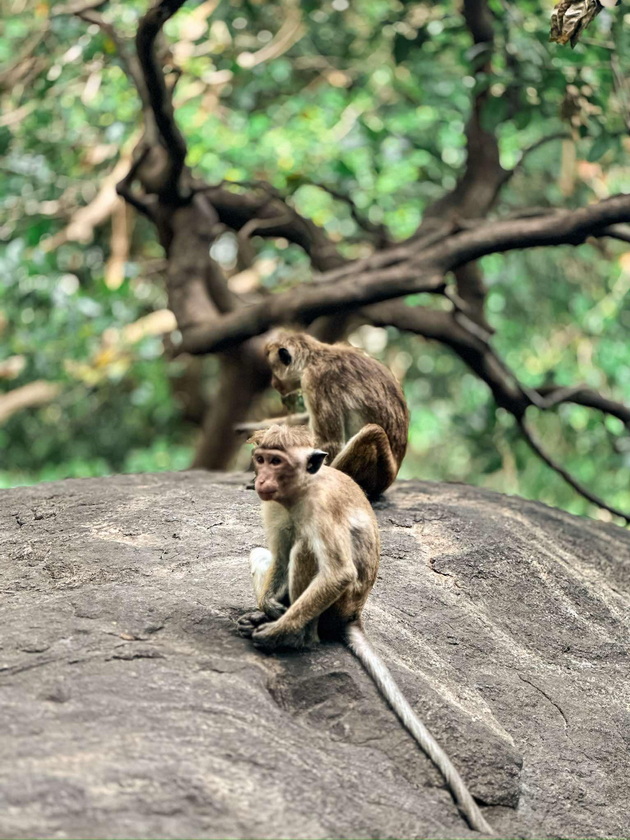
(369, 460)
(283, 640)
(260, 561)
(295, 627)
(269, 584)
(261, 565)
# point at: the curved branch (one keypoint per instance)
(158, 95)
(558, 468)
(555, 395)
(306, 303)
(542, 141)
(464, 337)
(619, 232)
(404, 270)
(236, 210)
(568, 227)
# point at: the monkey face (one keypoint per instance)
(286, 365)
(283, 476)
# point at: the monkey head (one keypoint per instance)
(285, 461)
(288, 354)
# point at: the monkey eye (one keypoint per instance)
(259, 459)
(284, 356)
(275, 461)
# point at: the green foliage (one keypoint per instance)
(370, 98)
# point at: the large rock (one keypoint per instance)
(130, 707)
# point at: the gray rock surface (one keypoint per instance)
(130, 707)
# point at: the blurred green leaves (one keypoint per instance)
(371, 98)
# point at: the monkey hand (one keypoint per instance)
(273, 608)
(248, 622)
(271, 637)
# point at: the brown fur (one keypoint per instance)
(321, 565)
(344, 391)
(324, 542)
(282, 437)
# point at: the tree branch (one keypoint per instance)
(306, 303)
(617, 232)
(237, 209)
(403, 270)
(507, 390)
(158, 95)
(555, 395)
(567, 227)
(558, 468)
(559, 135)
(130, 63)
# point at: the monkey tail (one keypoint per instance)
(376, 668)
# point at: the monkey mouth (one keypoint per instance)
(266, 496)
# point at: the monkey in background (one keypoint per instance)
(356, 408)
(320, 566)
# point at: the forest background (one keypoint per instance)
(359, 117)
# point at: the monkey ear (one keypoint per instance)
(284, 356)
(315, 460)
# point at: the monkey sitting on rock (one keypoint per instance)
(320, 565)
(354, 406)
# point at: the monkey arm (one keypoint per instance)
(320, 594)
(272, 591)
(337, 574)
(269, 578)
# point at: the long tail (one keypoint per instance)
(376, 668)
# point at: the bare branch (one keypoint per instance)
(467, 340)
(569, 227)
(550, 138)
(305, 303)
(85, 219)
(33, 394)
(236, 210)
(558, 468)
(580, 395)
(617, 232)
(129, 62)
(379, 231)
(158, 95)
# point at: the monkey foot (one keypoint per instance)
(274, 608)
(248, 622)
(268, 638)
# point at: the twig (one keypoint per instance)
(558, 135)
(378, 230)
(617, 232)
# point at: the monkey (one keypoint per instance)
(321, 563)
(357, 409)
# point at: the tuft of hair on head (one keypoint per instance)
(283, 437)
